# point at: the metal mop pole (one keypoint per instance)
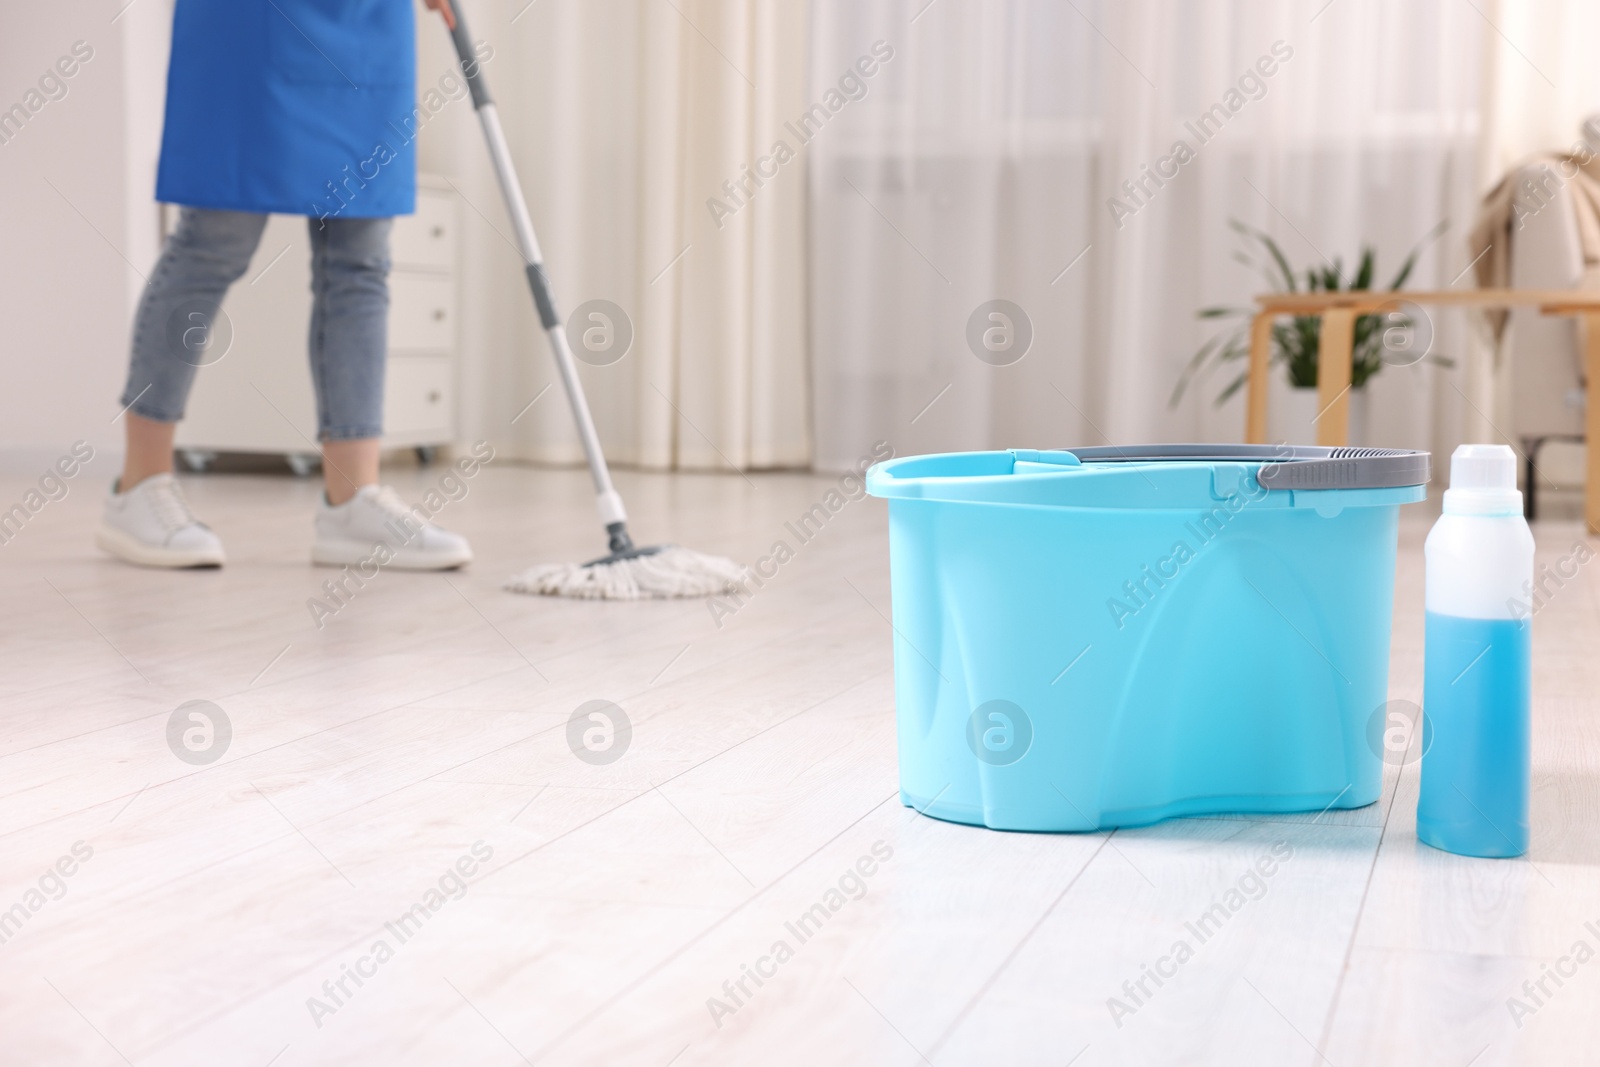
(609, 502)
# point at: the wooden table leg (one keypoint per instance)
(1255, 406)
(1591, 430)
(1333, 376)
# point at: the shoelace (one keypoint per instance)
(167, 499)
(389, 502)
(402, 516)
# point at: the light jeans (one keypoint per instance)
(208, 252)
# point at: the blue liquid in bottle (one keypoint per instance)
(1475, 738)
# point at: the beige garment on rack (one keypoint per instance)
(1510, 202)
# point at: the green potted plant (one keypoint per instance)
(1295, 340)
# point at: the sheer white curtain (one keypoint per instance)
(1541, 77)
(980, 164)
(624, 118)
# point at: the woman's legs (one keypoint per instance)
(205, 255)
(172, 331)
(348, 344)
(147, 520)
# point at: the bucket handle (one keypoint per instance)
(1288, 466)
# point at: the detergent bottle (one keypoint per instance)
(1476, 678)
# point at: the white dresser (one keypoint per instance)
(257, 397)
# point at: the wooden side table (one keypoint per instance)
(1339, 310)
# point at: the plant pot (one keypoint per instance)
(1292, 416)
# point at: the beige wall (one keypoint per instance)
(76, 214)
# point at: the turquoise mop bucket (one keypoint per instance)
(1101, 637)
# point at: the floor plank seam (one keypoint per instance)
(1355, 927)
(258, 752)
(960, 1017)
(345, 948)
(681, 949)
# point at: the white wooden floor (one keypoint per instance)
(429, 719)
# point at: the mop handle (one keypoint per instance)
(612, 513)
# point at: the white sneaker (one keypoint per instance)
(349, 534)
(151, 525)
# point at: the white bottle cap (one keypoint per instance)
(1483, 467)
(1483, 481)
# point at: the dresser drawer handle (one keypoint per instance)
(438, 231)
(438, 314)
(434, 396)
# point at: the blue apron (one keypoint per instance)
(294, 107)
